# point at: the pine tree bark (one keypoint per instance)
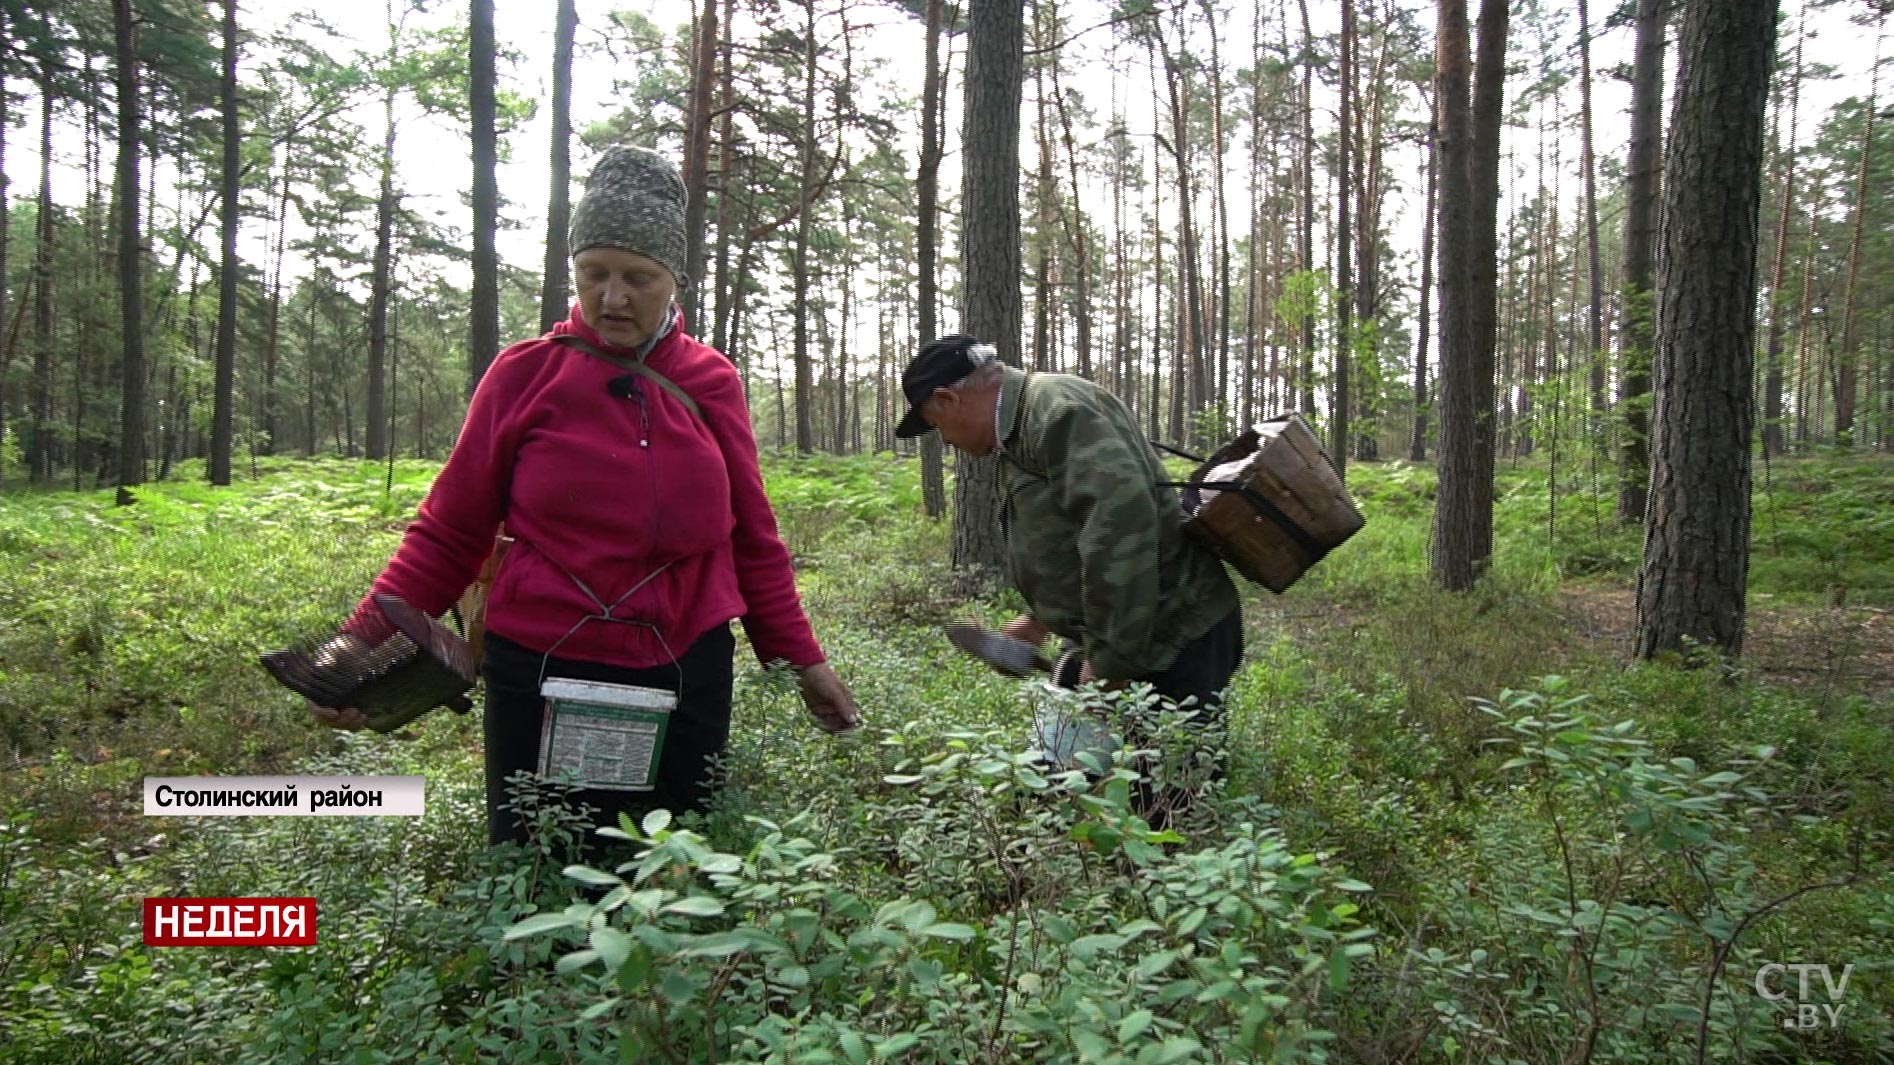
(224, 398)
(483, 330)
(555, 300)
(1696, 543)
(927, 182)
(131, 435)
(1469, 200)
(1643, 169)
(989, 242)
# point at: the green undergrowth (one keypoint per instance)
(1447, 829)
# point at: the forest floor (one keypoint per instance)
(1810, 648)
(1466, 781)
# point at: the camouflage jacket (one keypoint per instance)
(1094, 541)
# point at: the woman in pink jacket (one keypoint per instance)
(640, 525)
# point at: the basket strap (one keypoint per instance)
(1179, 452)
(1267, 509)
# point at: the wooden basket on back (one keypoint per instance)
(1283, 510)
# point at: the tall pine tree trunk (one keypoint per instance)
(1642, 171)
(379, 287)
(1595, 312)
(805, 377)
(131, 434)
(40, 453)
(1417, 442)
(927, 182)
(1469, 202)
(1306, 260)
(1696, 538)
(7, 333)
(1338, 395)
(555, 299)
(272, 345)
(224, 399)
(697, 153)
(726, 181)
(1846, 383)
(483, 330)
(1772, 350)
(989, 242)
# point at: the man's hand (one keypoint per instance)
(828, 699)
(1025, 627)
(1086, 676)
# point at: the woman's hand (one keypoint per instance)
(828, 699)
(340, 647)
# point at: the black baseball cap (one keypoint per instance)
(940, 363)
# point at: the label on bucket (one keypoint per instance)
(603, 736)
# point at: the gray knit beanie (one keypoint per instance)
(634, 201)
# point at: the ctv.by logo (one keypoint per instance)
(1807, 1014)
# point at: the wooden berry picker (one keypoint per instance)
(422, 665)
(1270, 503)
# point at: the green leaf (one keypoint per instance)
(1152, 964)
(612, 945)
(585, 874)
(677, 988)
(948, 930)
(1134, 1025)
(575, 961)
(1091, 1046)
(899, 1044)
(656, 821)
(1179, 1048)
(854, 1046)
(599, 1009)
(1085, 948)
(695, 906)
(539, 922)
(734, 941)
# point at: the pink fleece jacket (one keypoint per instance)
(605, 490)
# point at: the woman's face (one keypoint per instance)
(622, 294)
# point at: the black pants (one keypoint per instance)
(1202, 670)
(698, 730)
(1204, 667)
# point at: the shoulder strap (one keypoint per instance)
(636, 366)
